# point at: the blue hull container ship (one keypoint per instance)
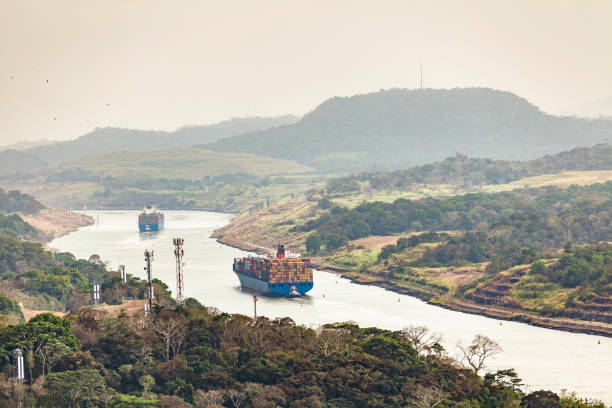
(278, 276)
(150, 219)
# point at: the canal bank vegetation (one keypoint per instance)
(41, 280)
(484, 249)
(23, 217)
(33, 278)
(194, 356)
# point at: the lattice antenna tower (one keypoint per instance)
(178, 254)
(148, 260)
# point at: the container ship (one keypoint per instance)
(150, 219)
(289, 276)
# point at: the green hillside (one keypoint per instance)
(103, 140)
(182, 163)
(401, 128)
(462, 170)
(188, 178)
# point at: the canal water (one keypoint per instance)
(543, 358)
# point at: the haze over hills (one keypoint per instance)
(601, 108)
(15, 161)
(400, 128)
(26, 144)
(105, 140)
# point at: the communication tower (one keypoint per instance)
(421, 74)
(122, 272)
(148, 259)
(178, 254)
(96, 293)
(18, 365)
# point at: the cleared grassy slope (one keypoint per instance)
(184, 163)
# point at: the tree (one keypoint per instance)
(480, 350)
(172, 401)
(171, 329)
(541, 399)
(235, 397)
(334, 241)
(427, 397)
(75, 388)
(328, 342)
(208, 399)
(146, 382)
(129, 401)
(313, 243)
(39, 338)
(420, 338)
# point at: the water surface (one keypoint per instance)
(544, 358)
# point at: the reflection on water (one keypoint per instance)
(148, 235)
(544, 359)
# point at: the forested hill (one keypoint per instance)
(104, 140)
(15, 201)
(461, 170)
(401, 128)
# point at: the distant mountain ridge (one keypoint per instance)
(106, 140)
(462, 170)
(401, 128)
(26, 144)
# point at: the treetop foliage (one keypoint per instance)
(15, 201)
(232, 360)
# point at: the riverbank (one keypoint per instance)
(56, 222)
(438, 299)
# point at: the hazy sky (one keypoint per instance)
(164, 64)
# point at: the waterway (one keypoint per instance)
(543, 358)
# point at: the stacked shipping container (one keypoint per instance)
(275, 275)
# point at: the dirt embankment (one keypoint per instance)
(460, 305)
(55, 222)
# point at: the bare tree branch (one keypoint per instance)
(427, 397)
(475, 355)
(420, 338)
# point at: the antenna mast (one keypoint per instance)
(178, 253)
(148, 259)
(96, 293)
(122, 272)
(421, 74)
